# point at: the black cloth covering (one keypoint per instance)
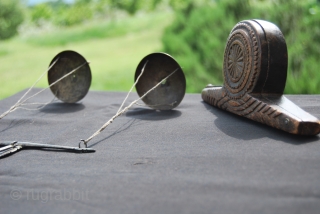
(193, 159)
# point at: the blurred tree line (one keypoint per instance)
(198, 35)
(63, 14)
(60, 13)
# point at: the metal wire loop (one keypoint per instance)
(84, 143)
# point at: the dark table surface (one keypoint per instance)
(193, 159)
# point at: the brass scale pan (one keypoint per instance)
(74, 87)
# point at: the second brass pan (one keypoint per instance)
(170, 93)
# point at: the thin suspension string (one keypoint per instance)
(38, 80)
(122, 111)
(19, 103)
(66, 75)
(135, 83)
(38, 108)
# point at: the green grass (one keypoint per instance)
(114, 54)
(97, 30)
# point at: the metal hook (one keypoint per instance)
(84, 142)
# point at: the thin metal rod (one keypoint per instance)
(6, 150)
(45, 146)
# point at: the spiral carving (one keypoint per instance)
(241, 59)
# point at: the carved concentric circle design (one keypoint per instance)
(241, 60)
(235, 62)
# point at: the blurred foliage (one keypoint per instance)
(61, 13)
(198, 36)
(74, 14)
(64, 14)
(11, 16)
(41, 12)
(133, 6)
